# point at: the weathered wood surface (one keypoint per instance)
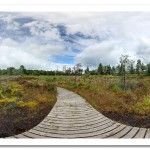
(73, 117)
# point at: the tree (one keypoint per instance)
(64, 68)
(143, 68)
(124, 62)
(131, 67)
(138, 67)
(10, 71)
(22, 70)
(87, 71)
(78, 69)
(68, 71)
(108, 71)
(148, 69)
(93, 72)
(113, 71)
(118, 69)
(100, 69)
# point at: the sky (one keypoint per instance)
(51, 40)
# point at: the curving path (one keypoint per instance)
(73, 117)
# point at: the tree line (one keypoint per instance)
(76, 70)
(125, 66)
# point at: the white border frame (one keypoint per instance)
(74, 6)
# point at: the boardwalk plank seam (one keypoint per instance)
(136, 133)
(111, 135)
(75, 129)
(125, 133)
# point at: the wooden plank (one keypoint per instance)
(113, 132)
(73, 111)
(101, 133)
(20, 136)
(74, 123)
(69, 127)
(132, 133)
(31, 135)
(52, 135)
(64, 120)
(141, 133)
(70, 132)
(72, 116)
(10, 137)
(147, 133)
(122, 132)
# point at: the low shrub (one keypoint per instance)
(34, 85)
(73, 85)
(20, 104)
(2, 102)
(18, 93)
(88, 86)
(7, 101)
(131, 85)
(6, 90)
(144, 106)
(50, 87)
(116, 87)
(30, 104)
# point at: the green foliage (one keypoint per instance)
(130, 85)
(88, 86)
(116, 87)
(73, 85)
(144, 106)
(7, 101)
(87, 71)
(138, 67)
(148, 69)
(100, 69)
(6, 90)
(50, 87)
(32, 104)
(18, 93)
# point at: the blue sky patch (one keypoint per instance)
(63, 59)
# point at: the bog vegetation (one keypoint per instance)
(24, 102)
(120, 92)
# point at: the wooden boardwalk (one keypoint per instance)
(73, 117)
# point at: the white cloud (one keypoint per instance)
(142, 50)
(43, 51)
(43, 30)
(31, 55)
(16, 57)
(118, 33)
(8, 42)
(105, 52)
(8, 20)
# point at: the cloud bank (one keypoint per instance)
(50, 40)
